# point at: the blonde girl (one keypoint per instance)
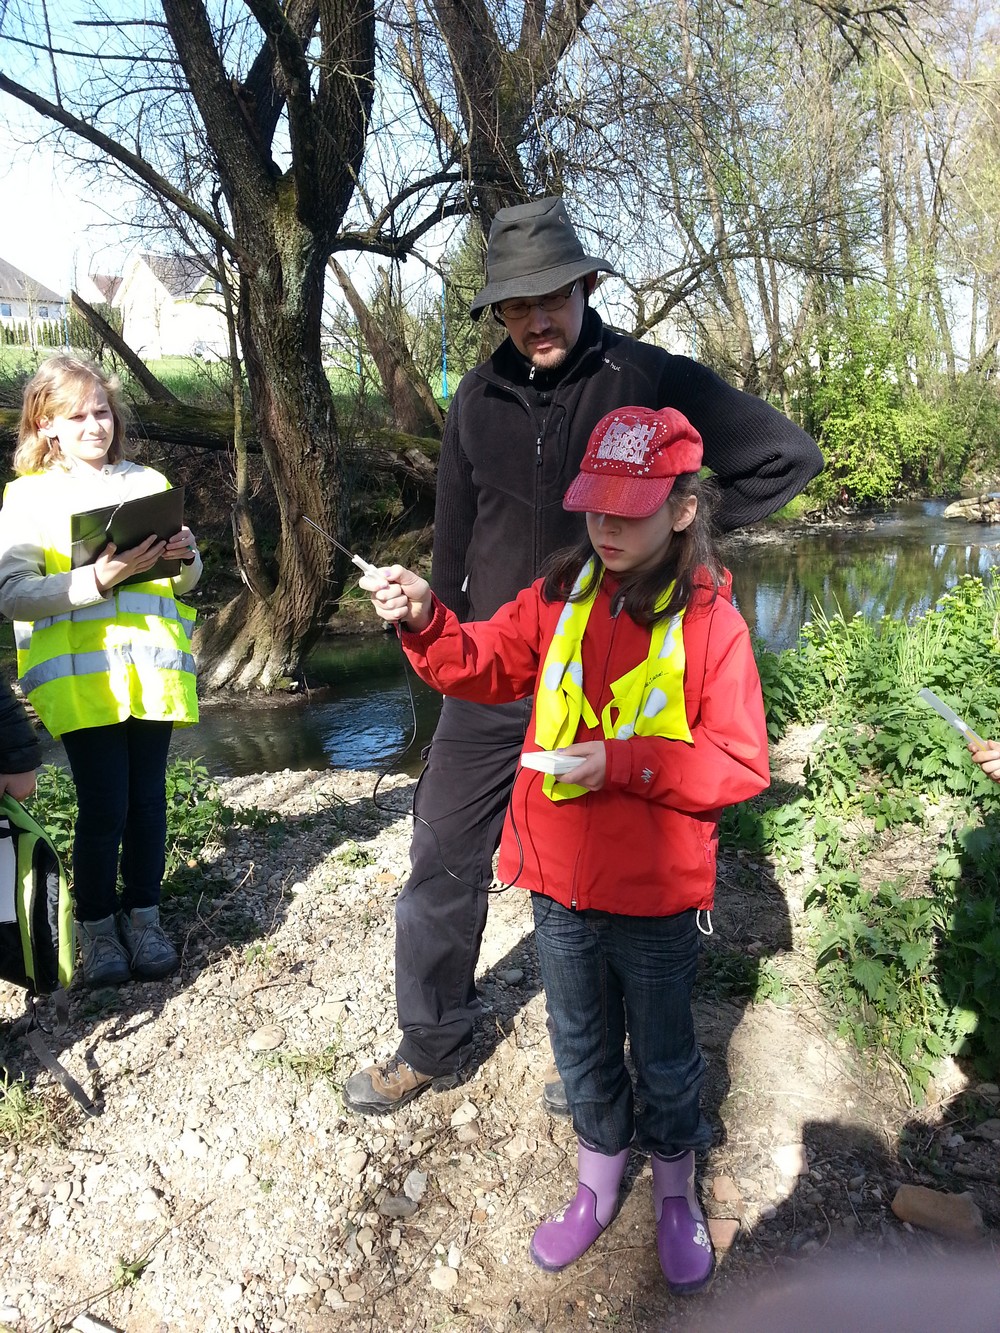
(107, 665)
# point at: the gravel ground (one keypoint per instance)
(223, 1188)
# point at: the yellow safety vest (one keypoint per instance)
(646, 701)
(128, 655)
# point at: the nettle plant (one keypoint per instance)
(911, 964)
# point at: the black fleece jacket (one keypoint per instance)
(513, 442)
(20, 751)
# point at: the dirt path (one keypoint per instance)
(224, 1189)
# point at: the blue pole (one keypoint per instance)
(444, 349)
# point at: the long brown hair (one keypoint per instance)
(691, 549)
(59, 385)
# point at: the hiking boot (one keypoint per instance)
(105, 962)
(151, 954)
(390, 1085)
(554, 1092)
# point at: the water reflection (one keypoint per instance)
(359, 714)
(899, 565)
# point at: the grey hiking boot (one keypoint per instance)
(390, 1085)
(151, 953)
(105, 962)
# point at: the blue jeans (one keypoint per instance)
(120, 776)
(606, 975)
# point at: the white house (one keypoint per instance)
(25, 300)
(98, 288)
(172, 306)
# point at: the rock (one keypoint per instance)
(300, 1286)
(267, 1038)
(354, 1163)
(725, 1190)
(192, 1145)
(397, 1207)
(791, 1159)
(723, 1231)
(989, 1130)
(513, 976)
(519, 1146)
(236, 1166)
(353, 1292)
(231, 1296)
(415, 1185)
(952, 1215)
(975, 509)
(443, 1278)
(463, 1115)
(467, 1133)
(86, 1323)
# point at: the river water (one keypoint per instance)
(365, 709)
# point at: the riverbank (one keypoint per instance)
(224, 1189)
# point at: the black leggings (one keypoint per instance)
(120, 776)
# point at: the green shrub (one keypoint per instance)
(913, 970)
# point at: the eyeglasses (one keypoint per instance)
(512, 311)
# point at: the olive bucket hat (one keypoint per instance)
(532, 250)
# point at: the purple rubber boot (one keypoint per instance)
(563, 1238)
(682, 1239)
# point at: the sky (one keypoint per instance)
(52, 222)
(51, 225)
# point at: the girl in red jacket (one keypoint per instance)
(644, 682)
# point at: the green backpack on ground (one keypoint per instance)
(37, 934)
(37, 931)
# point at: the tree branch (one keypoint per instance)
(244, 162)
(262, 95)
(290, 51)
(156, 390)
(136, 164)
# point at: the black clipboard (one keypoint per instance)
(128, 525)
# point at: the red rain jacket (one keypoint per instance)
(645, 844)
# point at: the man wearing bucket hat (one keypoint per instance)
(514, 439)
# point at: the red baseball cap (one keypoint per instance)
(633, 458)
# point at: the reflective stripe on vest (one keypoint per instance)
(128, 603)
(103, 660)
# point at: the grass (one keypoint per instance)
(24, 1116)
(306, 1066)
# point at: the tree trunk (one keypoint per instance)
(259, 641)
(410, 398)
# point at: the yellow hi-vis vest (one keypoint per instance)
(128, 655)
(646, 701)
